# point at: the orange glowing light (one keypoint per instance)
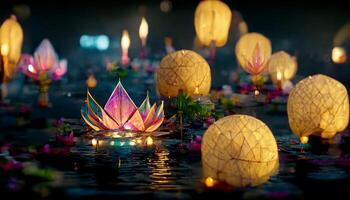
(143, 31)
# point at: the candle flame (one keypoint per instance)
(256, 92)
(149, 141)
(31, 69)
(338, 55)
(125, 42)
(5, 49)
(209, 182)
(279, 75)
(94, 142)
(143, 31)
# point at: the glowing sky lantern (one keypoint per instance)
(120, 113)
(125, 43)
(282, 67)
(339, 55)
(212, 22)
(143, 31)
(11, 38)
(318, 105)
(239, 150)
(253, 51)
(183, 70)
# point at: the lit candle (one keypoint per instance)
(143, 32)
(125, 43)
(339, 55)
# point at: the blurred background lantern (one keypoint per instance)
(91, 81)
(125, 44)
(253, 51)
(318, 105)
(183, 70)
(11, 38)
(282, 67)
(212, 22)
(338, 55)
(239, 150)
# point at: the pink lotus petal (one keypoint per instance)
(145, 107)
(135, 123)
(45, 56)
(102, 116)
(119, 105)
(60, 69)
(155, 126)
(150, 116)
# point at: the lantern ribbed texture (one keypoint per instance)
(239, 150)
(318, 105)
(183, 70)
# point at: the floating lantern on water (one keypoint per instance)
(44, 68)
(339, 55)
(253, 51)
(125, 43)
(282, 67)
(143, 33)
(120, 113)
(318, 105)
(239, 150)
(11, 38)
(212, 23)
(185, 71)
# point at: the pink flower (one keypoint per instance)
(45, 63)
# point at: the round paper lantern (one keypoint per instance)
(318, 105)
(282, 67)
(253, 51)
(239, 150)
(185, 71)
(11, 38)
(212, 21)
(338, 55)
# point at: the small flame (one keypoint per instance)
(304, 139)
(125, 42)
(143, 31)
(209, 182)
(149, 141)
(94, 142)
(279, 75)
(196, 90)
(31, 69)
(339, 55)
(5, 49)
(256, 92)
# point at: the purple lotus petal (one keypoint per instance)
(119, 105)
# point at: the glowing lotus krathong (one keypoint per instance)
(120, 113)
(44, 65)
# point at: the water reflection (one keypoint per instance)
(161, 176)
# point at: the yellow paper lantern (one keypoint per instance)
(282, 67)
(318, 105)
(253, 51)
(239, 150)
(212, 22)
(338, 55)
(185, 71)
(11, 38)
